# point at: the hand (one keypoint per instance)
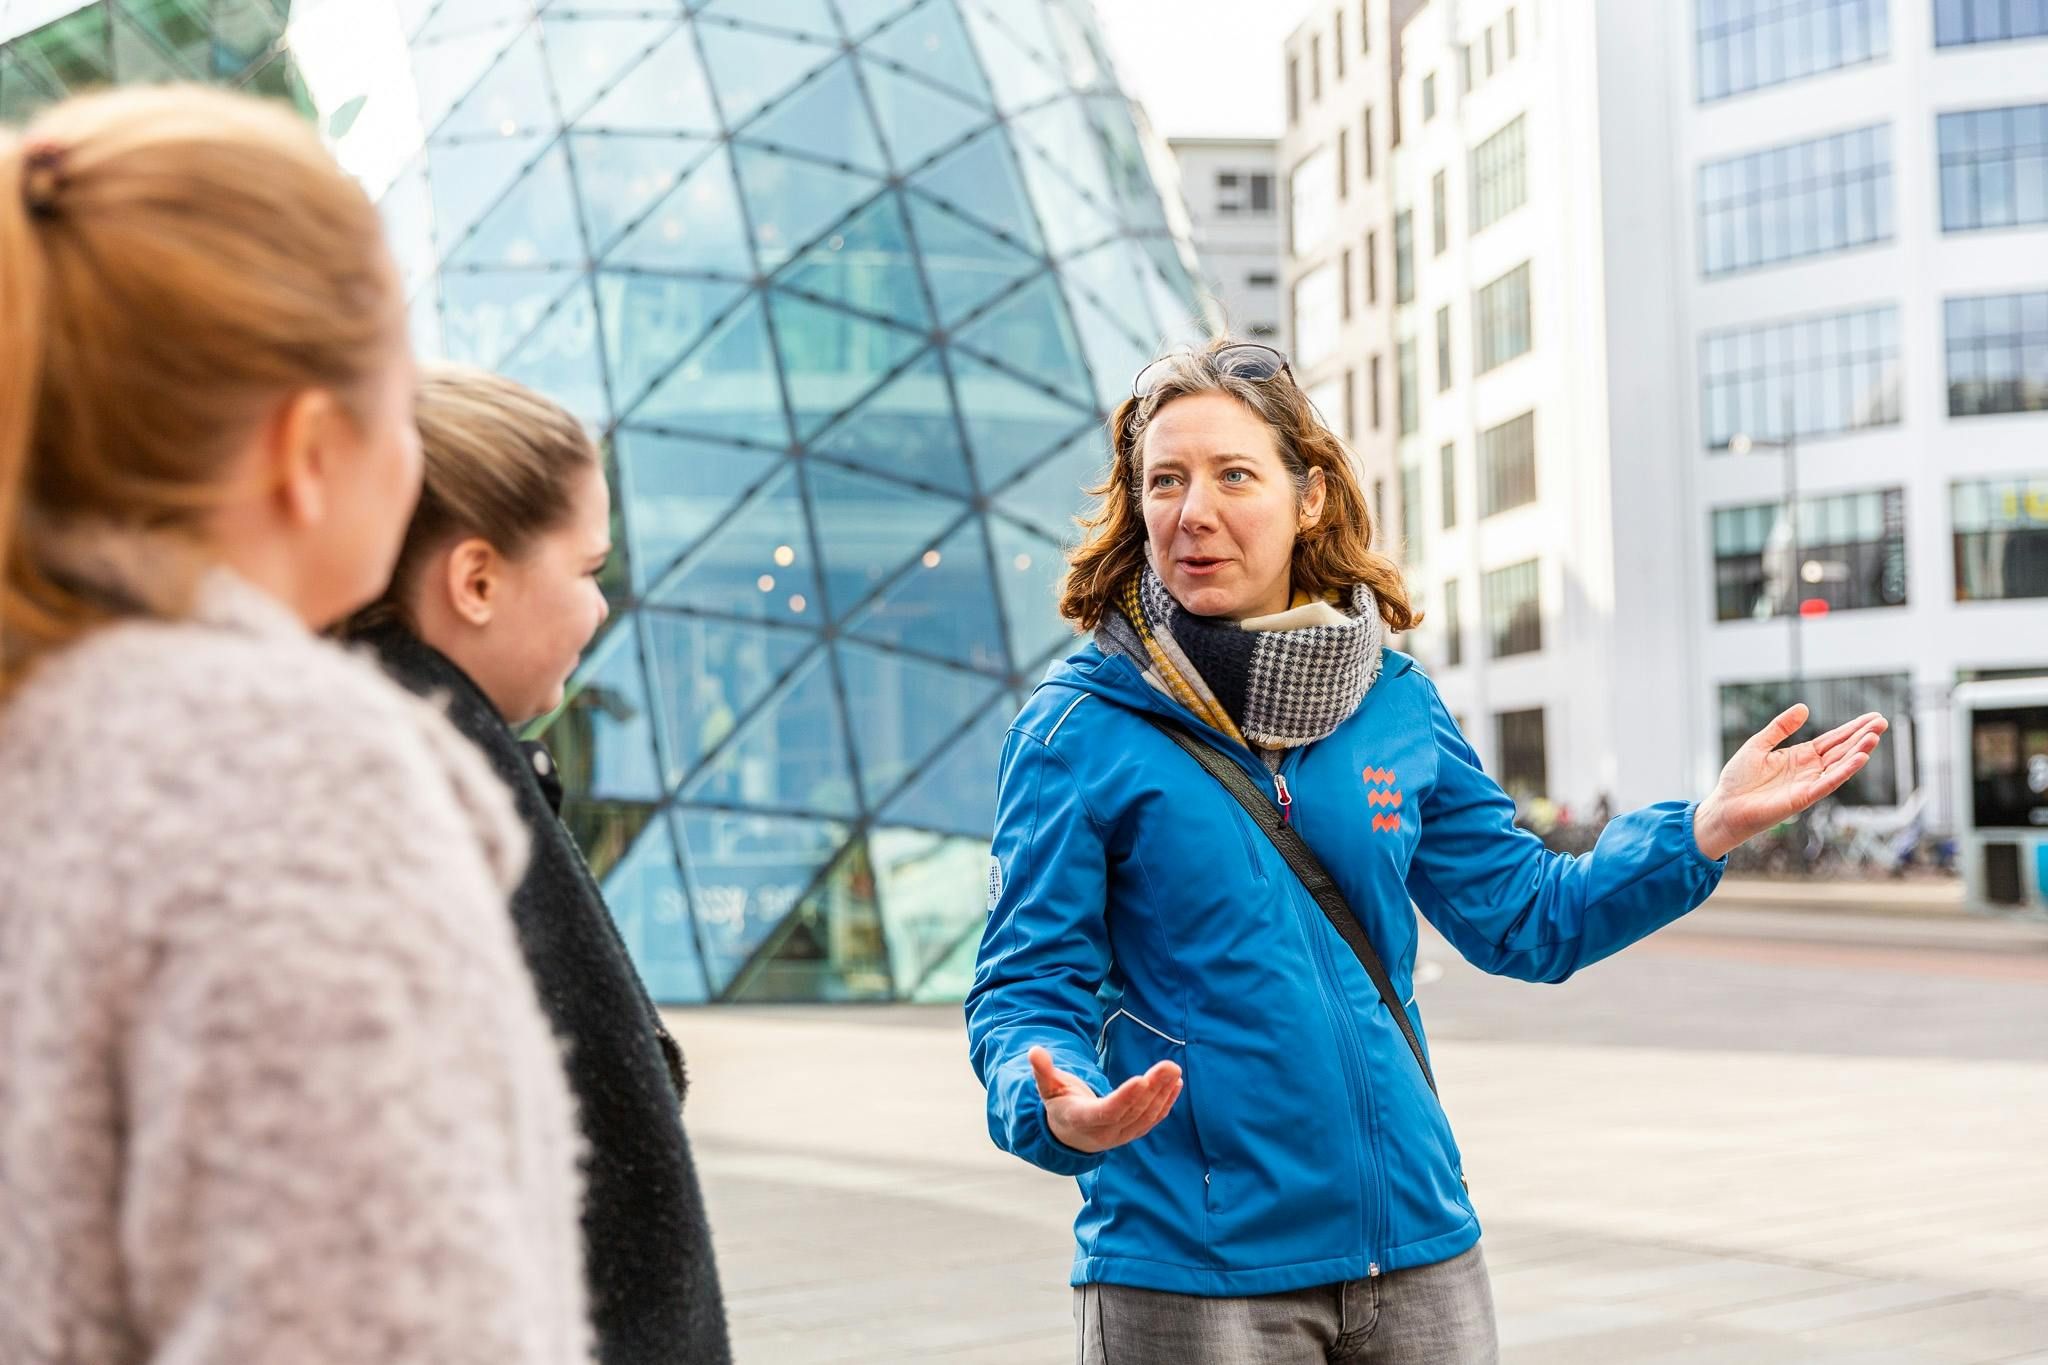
(1764, 785)
(1088, 1122)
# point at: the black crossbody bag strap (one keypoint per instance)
(1306, 866)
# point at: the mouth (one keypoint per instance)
(1200, 565)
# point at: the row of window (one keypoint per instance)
(1827, 375)
(1340, 51)
(1503, 329)
(1743, 45)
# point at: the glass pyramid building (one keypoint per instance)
(847, 286)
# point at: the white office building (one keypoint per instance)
(1231, 186)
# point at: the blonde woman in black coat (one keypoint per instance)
(493, 601)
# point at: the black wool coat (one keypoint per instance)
(654, 1294)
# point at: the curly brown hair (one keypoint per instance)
(1335, 553)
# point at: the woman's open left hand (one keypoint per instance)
(1764, 785)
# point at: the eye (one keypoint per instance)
(1237, 476)
(1164, 480)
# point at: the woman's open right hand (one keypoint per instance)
(1088, 1122)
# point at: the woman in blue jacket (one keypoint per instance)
(1162, 1009)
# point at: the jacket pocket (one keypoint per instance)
(1156, 1188)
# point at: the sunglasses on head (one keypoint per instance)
(1244, 360)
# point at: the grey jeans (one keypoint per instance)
(1432, 1315)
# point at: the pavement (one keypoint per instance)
(1768, 1144)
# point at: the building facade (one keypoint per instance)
(1718, 375)
(1231, 188)
(846, 287)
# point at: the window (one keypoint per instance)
(1429, 97)
(1337, 45)
(1499, 176)
(1350, 405)
(1440, 214)
(1838, 372)
(1443, 348)
(1315, 68)
(1365, 139)
(1518, 743)
(1377, 418)
(1327, 398)
(1514, 610)
(1315, 315)
(1262, 279)
(1998, 354)
(1749, 706)
(1508, 22)
(1404, 256)
(1749, 44)
(1243, 192)
(1447, 483)
(1411, 416)
(2001, 531)
(1501, 320)
(1801, 199)
(1988, 21)
(1847, 552)
(1454, 634)
(1293, 91)
(1994, 167)
(1372, 267)
(1379, 509)
(1311, 201)
(1465, 68)
(1365, 25)
(1507, 465)
(1262, 192)
(1344, 286)
(1489, 51)
(1411, 514)
(1343, 164)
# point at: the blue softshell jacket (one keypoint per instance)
(1136, 914)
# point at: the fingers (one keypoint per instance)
(1850, 732)
(1126, 1113)
(1839, 770)
(1052, 1082)
(1783, 728)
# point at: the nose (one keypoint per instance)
(1198, 507)
(604, 609)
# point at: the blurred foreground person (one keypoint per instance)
(495, 596)
(274, 1083)
(1230, 1061)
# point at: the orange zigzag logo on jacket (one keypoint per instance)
(1380, 792)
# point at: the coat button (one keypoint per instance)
(541, 764)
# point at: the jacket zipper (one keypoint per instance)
(1354, 1067)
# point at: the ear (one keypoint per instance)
(299, 451)
(471, 574)
(1313, 499)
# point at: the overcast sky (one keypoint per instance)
(1204, 68)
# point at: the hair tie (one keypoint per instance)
(42, 177)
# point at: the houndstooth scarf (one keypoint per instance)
(1273, 682)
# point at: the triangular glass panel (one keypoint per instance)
(904, 710)
(23, 96)
(757, 564)
(790, 757)
(1180, 317)
(867, 265)
(665, 93)
(1123, 161)
(930, 41)
(698, 227)
(964, 266)
(1028, 572)
(411, 14)
(182, 29)
(981, 181)
(1020, 77)
(605, 831)
(831, 360)
(140, 60)
(746, 874)
(863, 17)
(407, 209)
(444, 71)
(243, 31)
(488, 312)
(1070, 142)
(1073, 222)
(1031, 334)
(423, 320)
(949, 979)
(279, 80)
(906, 429)
(511, 99)
(957, 791)
(623, 175)
(467, 178)
(647, 902)
(535, 224)
(916, 119)
(1010, 424)
(675, 490)
(708, 675)
(946, 609)
(869, 529)
(460, 16)
(793, 201)
(750, 69)
(1114, 354)
(728, 386)
(602, 737)
(1115, 275)
(1049, 496)
(830, 948)
(564, 360)
(588, 54)
(920, 877)
(653, 321)
(812, 18)
(825, 118)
